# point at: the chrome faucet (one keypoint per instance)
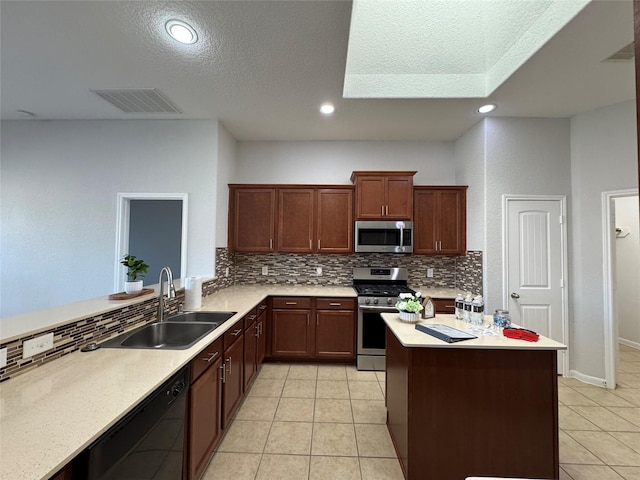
(171, 292)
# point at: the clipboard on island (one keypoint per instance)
(444, 332)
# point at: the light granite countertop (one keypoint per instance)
(409, 336)
(50, 414)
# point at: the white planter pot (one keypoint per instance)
(133, 287)
(409, 317)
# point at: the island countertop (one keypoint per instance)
(409, 336)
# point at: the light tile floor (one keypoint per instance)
(310, 422)
(600, 428)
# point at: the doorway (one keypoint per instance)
(535, 266)
(619, 238)
(152, 227)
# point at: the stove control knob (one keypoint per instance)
(389, 300)
(375, 301)
(367, 301)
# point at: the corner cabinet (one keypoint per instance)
(440, 220)
(291, 218)
(383, 195)
(252, 219)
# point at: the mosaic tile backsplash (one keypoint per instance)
(463, 273)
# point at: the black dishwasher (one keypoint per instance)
(147, 444)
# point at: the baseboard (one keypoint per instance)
(629, 343)
(598, 382)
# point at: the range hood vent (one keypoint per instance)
(625, 54)
(140, 100)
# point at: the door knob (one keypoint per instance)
(515, 295)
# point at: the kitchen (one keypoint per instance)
(562, 152)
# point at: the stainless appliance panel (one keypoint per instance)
(383, 236)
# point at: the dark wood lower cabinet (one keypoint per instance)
(335, 335)
(261, 325)
(250, 352)
(459, 412)
(291, 333)
(204, 418)
(444, 305)
(232, 379)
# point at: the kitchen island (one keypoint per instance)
(481, 407)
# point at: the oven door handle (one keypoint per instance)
(377, 309)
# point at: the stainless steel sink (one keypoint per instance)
(206, 317)
(163, 335)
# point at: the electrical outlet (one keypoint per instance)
(430, 272)
(319, 271)
(265, 270)
(37, 345)
(3, 357)
(226, 272)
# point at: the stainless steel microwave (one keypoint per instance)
(372, 236)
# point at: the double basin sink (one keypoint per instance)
(175, 333)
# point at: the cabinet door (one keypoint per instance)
(335, 334)
(204, 418)
(261, 324)
(252, 219)
(444, 305)
(425, 221)
(250, 353)
(232, 390)
(452, 207)
(295, 220)
(399, 201)
(335, 220)
(291, 333)
(370, 198)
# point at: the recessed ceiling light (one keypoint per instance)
(181, 31)
(490, 107)
(327, 108)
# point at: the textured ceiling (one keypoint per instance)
(263, 67)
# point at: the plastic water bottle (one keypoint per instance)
(477, 310)
(459, 305)
(466, 314)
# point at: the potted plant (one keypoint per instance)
(409, 307)
(135, 268)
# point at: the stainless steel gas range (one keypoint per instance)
(378, 290)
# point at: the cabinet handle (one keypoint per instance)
(260, 331)
(318, 244)
(252, 317)
(229, 360)
(382, 213)
(213, 355)
(291, 303)
(235, 333)
(270, 243)
(336, 304)
(263, 307)
(222, 374)
(310, 244)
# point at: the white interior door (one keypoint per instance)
(535, 266)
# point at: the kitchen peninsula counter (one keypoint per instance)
(52, 413)
(481, 407)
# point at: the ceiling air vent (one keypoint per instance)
(625, 54)
(139, 100)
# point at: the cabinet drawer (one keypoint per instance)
(262, 307)
(233, 333)
(335, 303)
(250, 317)
(291, 302)
(444, 305)
(206, 358)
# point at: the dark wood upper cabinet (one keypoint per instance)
(440, 220)
(295, 220)
(383, 195)
(334, 220)
(291, 218)
(252, 219)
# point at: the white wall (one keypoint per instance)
(58, 196)
(227, 152)
(628, 270)
(603, 158)
(523, 156)
(333, 162)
